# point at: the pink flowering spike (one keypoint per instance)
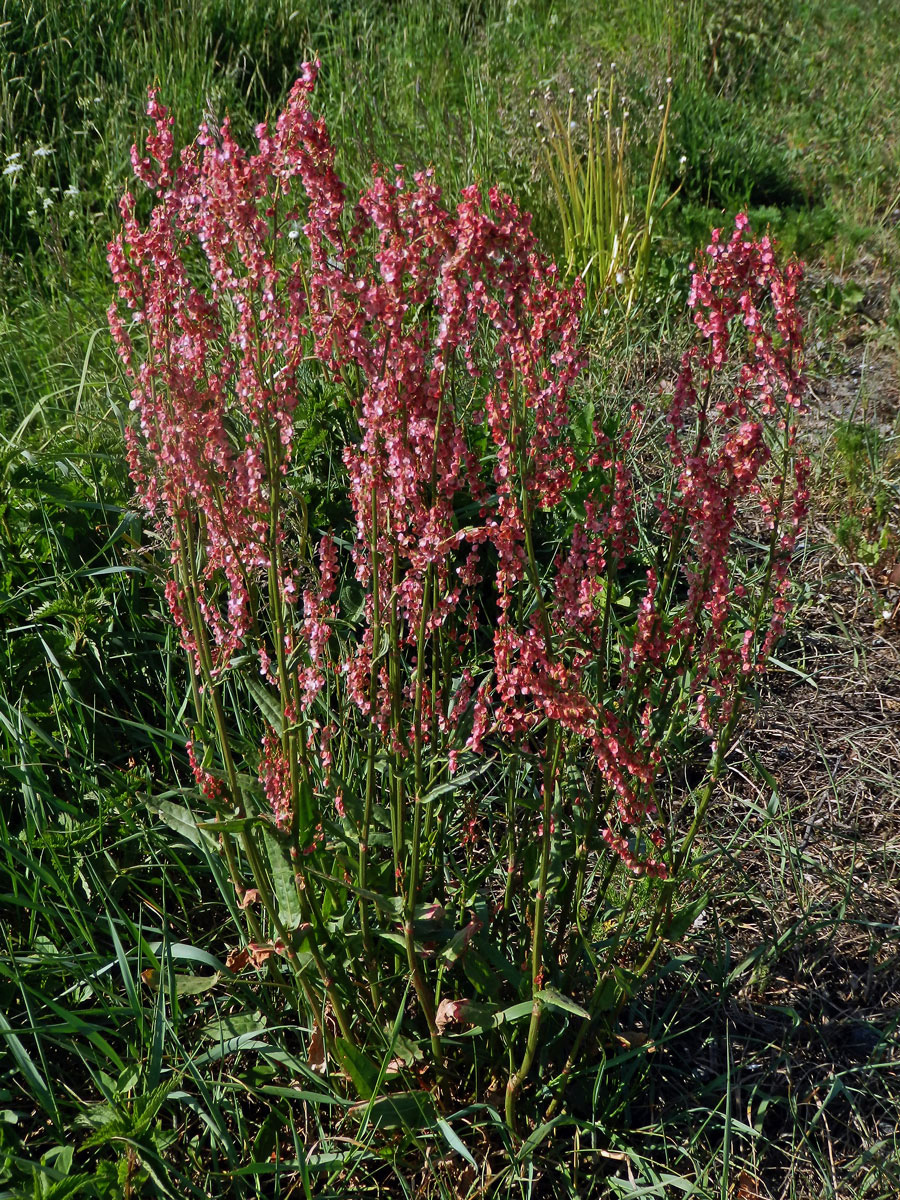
(221, 355)
(160, 148)
(459, 615)
(209, 785)
(275, 777)
(726, 438)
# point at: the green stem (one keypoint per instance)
(574, 889)
(370, 770)
(257, 868)
(413, 885)
(425, 997)
(516, 1080)
(512, 849)
(601, 972)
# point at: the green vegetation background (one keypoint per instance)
(788, 109)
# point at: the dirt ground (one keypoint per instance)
(811, 912)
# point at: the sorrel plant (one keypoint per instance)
(468, 693)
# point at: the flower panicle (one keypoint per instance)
(459, 344)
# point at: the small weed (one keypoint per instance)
(858, 447)
(862, 528)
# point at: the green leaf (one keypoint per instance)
(764, 773)
(583, 425)
(187, 953)
(608, 995)
(557, 1000)
(501, 965)
(183, 822)
(59, 1159)
(453, 1141)
(851, 296)
(791, 670)
(402, 1110)
(485, 981)
(396, 939)
(35, 1080)
(131, 990)
(454, 784)
(266, 702)
(358, 1066)
(244, 1043)
(194, 985)
(488, 1016)
(307, 813)
(228, 825)
(535, 1138)
(681, 921)
(233, 1025)
(266, 1138)
(392, 905)
(458, 946)
(576, 503)
(406, 1050)
(283, 882)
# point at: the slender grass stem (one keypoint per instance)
(516, 1080)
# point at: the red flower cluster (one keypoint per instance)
(217, 334)
(457, 343)
(720, 448)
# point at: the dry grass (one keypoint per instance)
(806, 845)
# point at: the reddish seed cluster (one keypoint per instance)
(458, 345)
(275, 774)
(209, 786)
(213, 354)
(412, 316)
(720, 447)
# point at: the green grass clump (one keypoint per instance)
(862, 530)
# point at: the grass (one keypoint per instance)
(762, 1057)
